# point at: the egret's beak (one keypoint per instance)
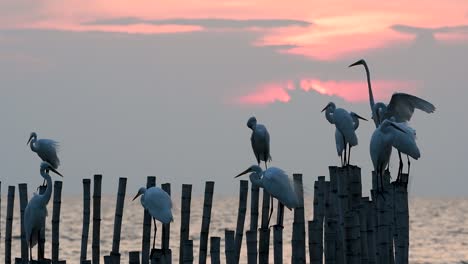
(244, 172)
(397, 127)
(360, 117)
(136, 196)
(56, 172)
(29, 140)
(359, 62)
(325, 108)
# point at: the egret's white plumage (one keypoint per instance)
(36, 210)
(46, 149)
(260, 140)
(276, 182)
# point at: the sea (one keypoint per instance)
(438, 228)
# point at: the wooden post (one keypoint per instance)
(371, 231)
(96, 219)
(298, 235)
(134, 257)
(330, 241)
(315, 244)
(115, 253)
(335, 204)
(401, 221)
(205, 227)
(363, 207)
(86, 218)
(23, 195)
(41, 241)
(9, 223)
(229, 247)
(243, 191)
(166, 232)
(185, 219)
(56, 221)
(383, 229)
(107, 260)
(251, 237)
(278, 235)
(146, 237)
(214, 250)
(264, 241)
(188, 252)
(353, 231)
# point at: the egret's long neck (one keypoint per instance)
(329, 115)
(32, 144)
(371, 96)
(142, 200)
(48, 192)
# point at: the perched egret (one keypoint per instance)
(46, 149)
(276, 182)
(346, 123)
(381, 146)
(260, 140)
(158, 204)
(36, 210)
(405, 143)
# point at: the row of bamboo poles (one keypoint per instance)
(346, 227)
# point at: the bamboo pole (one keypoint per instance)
(401, 222)
(315, 244)
(363, 208)
(166, 232)
(330, 241)
(9, 223)
(372, 231)
(56, 221)
(146, 236)
(115, 253)
(337, 215)
(278, 235)
(229, 247)
(188, 252)
(205, 227)
(214, 250)
(185, 218)
(254, 199)
(243, 191)
(353, 230)
(23, 195)
(264, 241)
(251, 236)
(96, 219)
(134, 257)
(107, 260)
(298, 235)
(86, 218)
(41, 239)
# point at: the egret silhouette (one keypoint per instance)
(46, 149)
(260, 140)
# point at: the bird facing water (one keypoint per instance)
(260, 140)
(46, 149)
(158, 204)
(346, 124)
(36, 210)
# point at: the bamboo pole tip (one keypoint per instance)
(86, 181)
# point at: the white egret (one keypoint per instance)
(36, 210)
(158, 204)
(46, 149)
(346, 123)
(277, 183)
(405, 143)
(381, 146)
(260, 140)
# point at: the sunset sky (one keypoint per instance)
(136, 88)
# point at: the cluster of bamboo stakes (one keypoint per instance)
(346, 227)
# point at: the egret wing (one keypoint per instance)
(260, 140)
(159, 204)
(402, 106)
(47, 151)
(277, 183)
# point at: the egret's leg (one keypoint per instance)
(271, 210)
(344, 150)
(341, 159)
(349, 154)
(400, 167)
(154, 236)
(409, 164)
(266, 166)
(30, 250)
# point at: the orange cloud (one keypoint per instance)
(352, 91)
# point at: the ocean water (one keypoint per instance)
(438, 228)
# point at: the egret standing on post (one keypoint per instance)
(46, 149)
(158, 204)
(276, 182)
(346, 123)
(36, 210)
(260, 140)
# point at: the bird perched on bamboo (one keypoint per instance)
(260, 140)
(346, 124)
(158, 204)
(46, 149)
(36, 210)
(276, 182)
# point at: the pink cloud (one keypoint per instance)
(352, 91)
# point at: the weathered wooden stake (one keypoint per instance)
(185, 218)
(251, 237)
(401, 221)
(330, 241)
(243, 191)
(264, 241)
(364, 229)
(337, 214)
(353, 232)
(278, 235)
(96, 219)
(9, 223)
(214, 250)
(56, 221)
(134, 257)
(315, 245)
(205, 227)
(298, 236)
(229, 246)
(23, 194)
(41, 242)
(188, 252)
(166, 232)
(86, 218)
(146, 237)
(115, 253)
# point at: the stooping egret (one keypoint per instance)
(36, 210)
(276, 182)
(346, 123)
(260, 140)
(46, 149)
(158, 204)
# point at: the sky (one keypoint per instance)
(165, 88)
